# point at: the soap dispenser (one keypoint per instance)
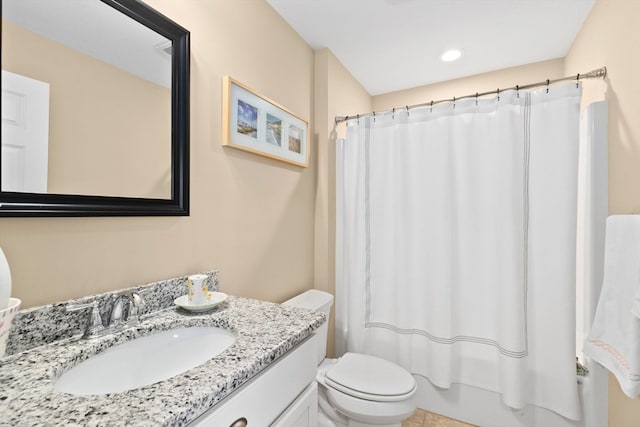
(5, 281)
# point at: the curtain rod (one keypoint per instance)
(594, 74)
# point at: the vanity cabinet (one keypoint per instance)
(303, 412)
(282, 395)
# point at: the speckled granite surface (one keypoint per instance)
(265, 332)
(45, 324)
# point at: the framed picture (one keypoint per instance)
(259, 125)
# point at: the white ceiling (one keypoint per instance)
(389, 45)
(97, 30)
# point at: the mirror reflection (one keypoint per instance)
(86, 101)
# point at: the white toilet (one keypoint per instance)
(357, 390)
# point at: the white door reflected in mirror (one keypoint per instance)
(25, 134)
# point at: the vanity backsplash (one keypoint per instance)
(45, 324)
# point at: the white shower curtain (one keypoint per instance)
(456, 231)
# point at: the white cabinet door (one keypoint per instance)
(25, 134)
(303, 412)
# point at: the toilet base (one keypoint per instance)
(357, 424)
(325, 421)
(328, 416)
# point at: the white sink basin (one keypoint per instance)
(145, 361)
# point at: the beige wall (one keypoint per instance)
(109, 130)
(610, 37)
(508, 77)
(251, 217)
(336, 93)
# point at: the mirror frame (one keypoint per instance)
(15, 204)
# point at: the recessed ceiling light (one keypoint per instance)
(451, 55)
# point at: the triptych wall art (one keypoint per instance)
(254, 123)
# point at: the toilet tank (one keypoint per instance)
(320, 301)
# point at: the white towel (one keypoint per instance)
(636, 304)
(614, 339)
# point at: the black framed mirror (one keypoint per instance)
(114, 140)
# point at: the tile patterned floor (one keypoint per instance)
(422, 418)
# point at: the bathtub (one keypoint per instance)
(485, 408)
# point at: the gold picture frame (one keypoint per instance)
(254, 123)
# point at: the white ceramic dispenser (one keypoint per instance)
(5, 281)
(8, 306)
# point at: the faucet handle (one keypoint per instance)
(94, 327)
(137, 303)
(116, 316)
(139, 295)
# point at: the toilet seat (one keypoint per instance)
(370, 378)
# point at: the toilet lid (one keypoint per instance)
(369, 377)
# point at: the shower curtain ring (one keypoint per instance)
(407, 110)
(548, 85)
(358, 118)
(476, 99)
(518, 91)
(393, 113)
(498, 93)
(578, 81)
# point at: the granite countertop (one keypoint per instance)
(265, 332)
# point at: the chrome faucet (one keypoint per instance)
(119, 318)
(135, 302)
